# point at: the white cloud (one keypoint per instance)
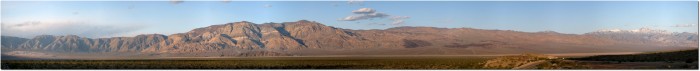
(685, 25)
(363, 11)
(30, 29)
(398, 20)
(364, 16)
(369, 13)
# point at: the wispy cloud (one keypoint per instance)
(33, 28)
(358, 2)
(364, 16)
(369, 13)
(363, 11)
(398, 20)
(685, 25)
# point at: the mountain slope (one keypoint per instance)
(312, 38)
(9, 41)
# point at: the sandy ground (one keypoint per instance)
(530, 65)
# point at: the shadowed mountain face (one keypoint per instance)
(312, 38)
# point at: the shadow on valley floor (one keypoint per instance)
(683, 59)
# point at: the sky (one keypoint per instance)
(101, 19)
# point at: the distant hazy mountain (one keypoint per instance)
(649, 36)
(312, 38)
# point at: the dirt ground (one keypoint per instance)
(639, 65)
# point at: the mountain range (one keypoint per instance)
(308, 38)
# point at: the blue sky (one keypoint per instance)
(130, 18)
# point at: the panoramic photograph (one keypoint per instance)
(348, 35)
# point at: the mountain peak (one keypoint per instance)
(640, 30)
(150, 35)
(244, 22)
(305, 21)
(609, 30)
(645, 29)
(71, 37)
(548, 32)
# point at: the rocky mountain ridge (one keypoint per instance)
(301, 35)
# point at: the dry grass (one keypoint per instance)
(256, 63)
